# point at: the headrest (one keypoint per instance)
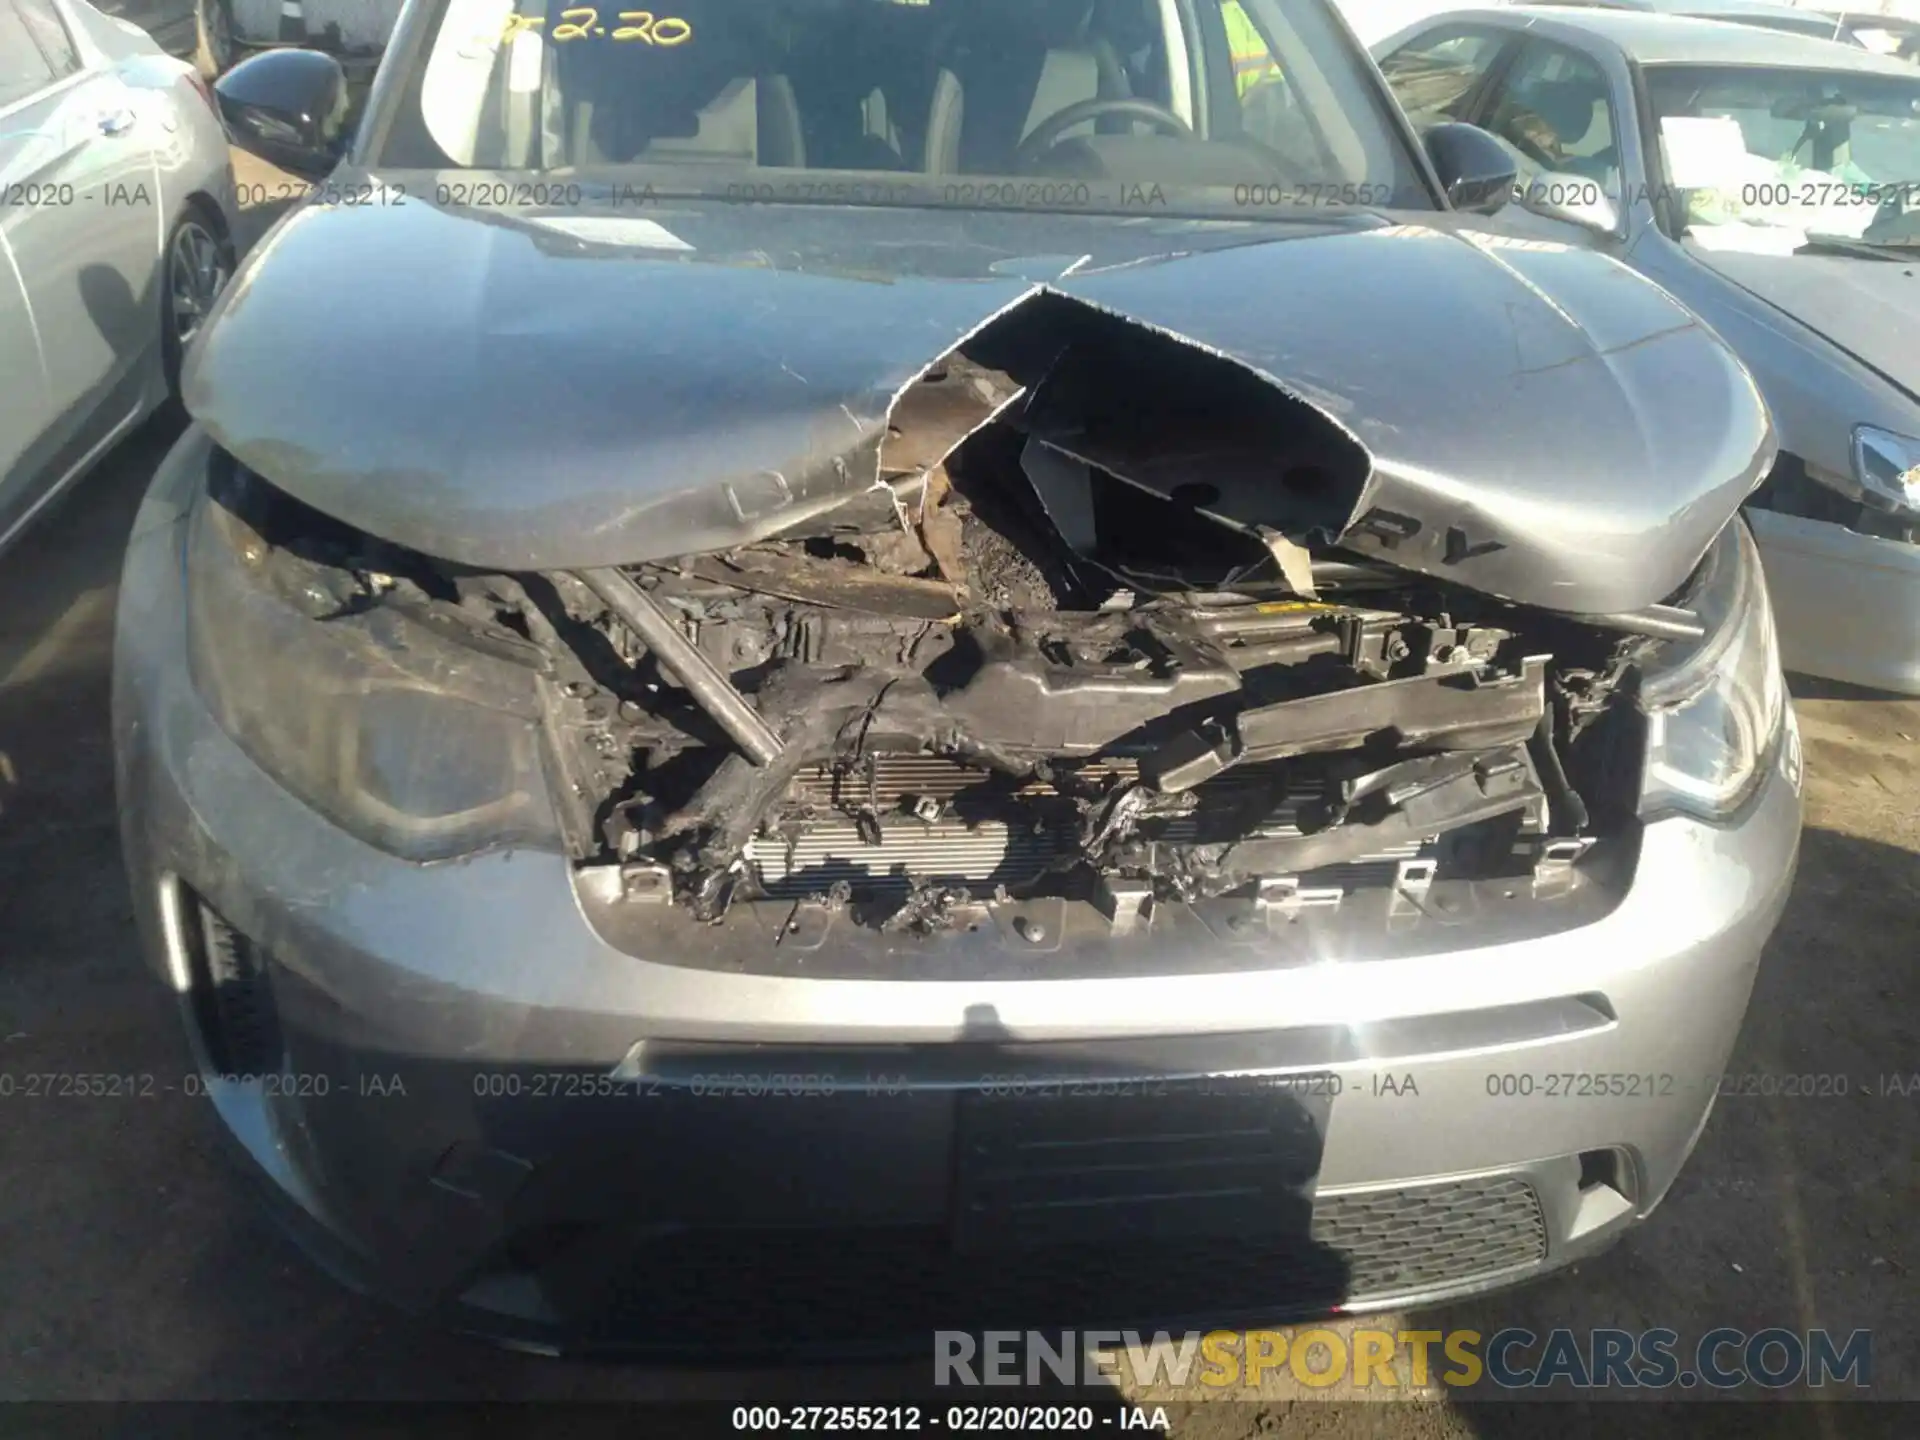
(1566, 105)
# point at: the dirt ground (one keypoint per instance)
(135, 1268)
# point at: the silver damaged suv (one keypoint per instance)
(894, 650)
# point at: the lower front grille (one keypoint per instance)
(1423, 1237)
(778, 1289)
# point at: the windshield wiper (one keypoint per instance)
(1862, 249)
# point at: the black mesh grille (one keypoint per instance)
(772, 1289)
(232, 994)
(1425, 1236)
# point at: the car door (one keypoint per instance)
(81, 217)
(25, 397)
(23, 384)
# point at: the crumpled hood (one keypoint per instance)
(1869, 308)
(1542, 424)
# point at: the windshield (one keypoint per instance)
(1166, 105)
(1820, 27)
(1779, 161)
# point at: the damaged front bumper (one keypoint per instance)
(491, 1101)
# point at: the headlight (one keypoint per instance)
(1713, 712)
(408, 739)
(1888, 469)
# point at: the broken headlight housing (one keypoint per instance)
(1714, 710)
(404, 737)
(1888, 469)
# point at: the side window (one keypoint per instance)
(23, 69)
(1281, 83)
(1434, 75)
(1553, 112)
(1270, 110)
(43, 22)
(1253, 62)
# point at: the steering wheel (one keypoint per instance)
(1048, 132)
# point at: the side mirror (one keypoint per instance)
(289, 107)
(1573, 198)
(1474, 167)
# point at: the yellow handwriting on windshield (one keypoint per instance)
(583, 22)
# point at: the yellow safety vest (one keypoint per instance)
(1252, 60)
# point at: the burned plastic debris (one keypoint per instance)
(1098, 630)
(1095, 633)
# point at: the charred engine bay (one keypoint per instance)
(1092, 639)
(930, 748)
(1094, 634)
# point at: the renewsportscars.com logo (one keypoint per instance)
(1512, 1358)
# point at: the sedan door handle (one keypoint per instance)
(117, 122)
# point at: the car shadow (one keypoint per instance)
(120, 316)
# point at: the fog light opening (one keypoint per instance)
(1606, 1191)
(232, 999)
(1600, 1167)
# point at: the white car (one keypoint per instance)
(116, 235)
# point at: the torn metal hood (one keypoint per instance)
(609, 387)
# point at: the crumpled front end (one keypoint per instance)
(884, 757)
(1112, 652)
(1084, 756)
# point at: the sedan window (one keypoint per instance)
(1435, 75)
(1553, 112)
(49, 31)
(23, 69)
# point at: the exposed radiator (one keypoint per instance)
(988, 830)
(985, 853)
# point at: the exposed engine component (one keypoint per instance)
(1093, 635)
(679, 656)
(1051, 653)
(892, 824)
(925, 749)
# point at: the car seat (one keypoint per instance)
(1004, 77)
(1569, 109)
(629, 102)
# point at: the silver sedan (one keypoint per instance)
(1771, 183)
(116, 225)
